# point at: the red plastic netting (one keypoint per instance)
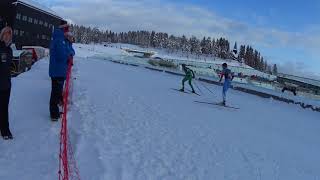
(67, 164)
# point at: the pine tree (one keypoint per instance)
(235, 48)
(172, 46)
(247, 56)
(242, 53)
(203, 45)
(208, 46)
(265, 66)
(275, 70)
(219, 47)
(256, 59)
(269, 69)
(184, 44)
(261, 68)
(195, 45)
(214, 47)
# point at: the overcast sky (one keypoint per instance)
(287, 32)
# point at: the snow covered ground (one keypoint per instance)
(33, 154)
(127, 123)
(198, 60)
(162, 53)
(113, 52)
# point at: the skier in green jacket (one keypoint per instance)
(188, 77)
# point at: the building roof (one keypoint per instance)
(37, 6)
(300, 79)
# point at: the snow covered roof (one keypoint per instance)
(301, 79)
(39, 7)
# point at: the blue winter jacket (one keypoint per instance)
(59, 54)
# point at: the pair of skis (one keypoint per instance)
(216, 104)
(187, 92)
(203, 102)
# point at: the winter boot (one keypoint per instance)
(223, 103)
(56, 118)
(6, 135)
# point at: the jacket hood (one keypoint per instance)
(58, 34)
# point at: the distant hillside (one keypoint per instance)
(210, 47)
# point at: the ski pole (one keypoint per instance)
(198, 87)
(206, 88)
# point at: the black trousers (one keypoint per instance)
(56, 96)
(4, 110)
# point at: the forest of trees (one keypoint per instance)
(210, 47)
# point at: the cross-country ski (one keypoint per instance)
(216, 104)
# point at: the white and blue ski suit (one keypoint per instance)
(227, 82)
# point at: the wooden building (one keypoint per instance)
(31, 22)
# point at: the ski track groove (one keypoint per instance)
(84, 111)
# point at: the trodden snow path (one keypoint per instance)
(33, 154)
(132, 126)
(126, 123)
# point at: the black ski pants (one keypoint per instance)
(56, 96)
(4, 109)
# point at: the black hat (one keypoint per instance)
(63, 22)
(224, 65)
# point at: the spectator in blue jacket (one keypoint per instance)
(60, 54)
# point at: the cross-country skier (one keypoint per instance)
(188, 77)
(228, 77)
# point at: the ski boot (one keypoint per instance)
(223, 103)
(55, 119)
(6, 135)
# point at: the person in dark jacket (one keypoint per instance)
(59, 55)
(5, 80)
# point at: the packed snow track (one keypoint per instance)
(126, 123)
